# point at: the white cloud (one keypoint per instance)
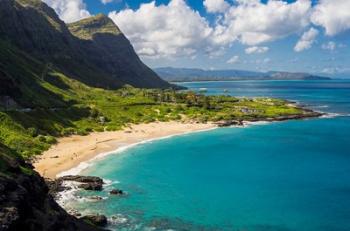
(166, 30)
(178, 30)
(233, 60)
(256, 49)
(306, 40)
(333, 15)
(252, 22)
(216, 6)
(69, 10)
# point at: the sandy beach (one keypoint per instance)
(69, 152)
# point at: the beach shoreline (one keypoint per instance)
(71, 154)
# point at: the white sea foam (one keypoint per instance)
(68, 195)
(117, 219)
(248, 123)
(86, 164)
(321, 106)
(331, 115)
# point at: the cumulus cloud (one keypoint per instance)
(256, 49)
(69, 10)
(333, 15)
(166, 30)
(252, 22)
(233, 60)
(306, 40)
(216, 6)
(177, 30)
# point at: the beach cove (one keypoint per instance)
(72, 153)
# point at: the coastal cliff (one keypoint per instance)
(25, 202)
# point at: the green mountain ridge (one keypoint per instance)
(106, 60)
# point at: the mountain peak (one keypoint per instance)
(98, 24)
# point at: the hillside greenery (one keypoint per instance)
(82, 109)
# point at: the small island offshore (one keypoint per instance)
(71, 92)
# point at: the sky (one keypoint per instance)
(258, 35)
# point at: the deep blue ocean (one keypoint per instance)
(281, 176)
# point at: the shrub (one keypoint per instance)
(33, 132)
(41, 138)
(68, 131)
(82, 132)
(51, 140)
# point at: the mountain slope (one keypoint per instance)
(103, 59)
(106, 46)
(192, 74)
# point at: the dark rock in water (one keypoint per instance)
(116, 192)
(96, 198)
(228, 123)
(91, 186)
(98, 220)
(82, 179)
(88, 183)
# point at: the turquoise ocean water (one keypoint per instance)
(283, 176)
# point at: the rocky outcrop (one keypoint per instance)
(228, 123)
(82, 179)
(98, 220)
(91, 186)
(25, 202)
(85, 182)
(117, 192)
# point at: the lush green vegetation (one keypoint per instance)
(83, 109)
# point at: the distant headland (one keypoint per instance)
(172, 74)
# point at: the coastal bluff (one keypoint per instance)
(25, 202)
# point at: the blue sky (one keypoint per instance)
(299, 35)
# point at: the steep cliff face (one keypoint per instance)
(106, 46)
(24, 200)
(98, 54)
